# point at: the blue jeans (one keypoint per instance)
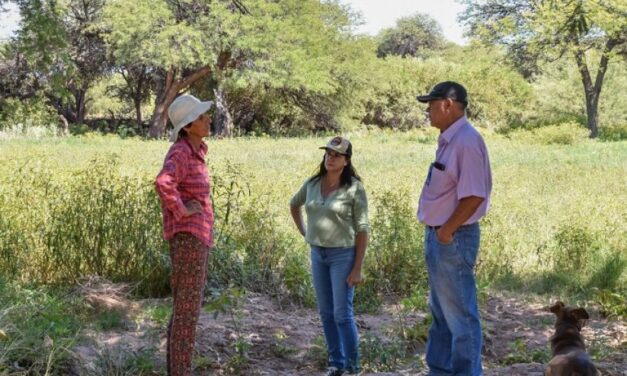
(330, 267)
(454, 344)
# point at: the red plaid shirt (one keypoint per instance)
(184, 177)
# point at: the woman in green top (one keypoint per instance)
(337, 230)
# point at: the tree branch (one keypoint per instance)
(198, 74)
(611, 43)
(242, 8)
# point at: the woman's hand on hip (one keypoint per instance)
(355, 278)
(192, 207)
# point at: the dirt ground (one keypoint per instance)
(287, 340)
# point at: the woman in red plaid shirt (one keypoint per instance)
(184, 188)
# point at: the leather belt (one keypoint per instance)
(434, 228)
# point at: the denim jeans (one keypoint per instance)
(454, 344)
(330, 267)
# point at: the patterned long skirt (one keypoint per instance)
(189, 273)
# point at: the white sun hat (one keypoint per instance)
(185, 109)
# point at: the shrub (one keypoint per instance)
(395, 259)
(378, 354)
(613, 132)
(559, 134)
(94, 222)
(31, 112)
(612, 304)
(575, 247)
(39, 327)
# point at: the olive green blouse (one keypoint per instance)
(334, 221)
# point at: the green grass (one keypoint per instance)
(547, 201)
(159, 314)
(40, 324)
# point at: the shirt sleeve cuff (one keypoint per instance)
(362, 228)
(476, 193)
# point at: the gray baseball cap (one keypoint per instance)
(339, 145)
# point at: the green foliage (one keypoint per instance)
(391, 101)
(579, 262)
(575, 247)
(262, 260)
(521, 354)
(557, 97)
(292, 67)
(109, 320)
(27, 113)
(123, 361)
(103, 104)
(280, 347)
(418, 334)
(76, 230)
(609, 272)
(414, 335)
(297, 279)
(411, 37)
(532, 220)
(548, 27)
(64, 48)
(379, 355)
(317, 354)
(613, 304)
(228, 302)
(548, 30)
(560, 134)
(147, 32)
(160, 314)
(39, 327)
(417, 300)
(79, 129)
(613, 133)
(395, 264)
(63, 210)
(290, 48)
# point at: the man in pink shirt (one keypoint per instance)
(455, 195)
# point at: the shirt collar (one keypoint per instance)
(202, 150)
(450, 132)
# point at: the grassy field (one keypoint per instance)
(543, 194)
(80, 206)
(554, 207)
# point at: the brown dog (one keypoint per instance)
(569, 351)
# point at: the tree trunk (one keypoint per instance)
(159, 119)
(138, 97)
(64, 125)
(593, 91)
(80, 98)
(592, 112)
(171, 89)
(138, 111)
(222, 118)
(63, 110)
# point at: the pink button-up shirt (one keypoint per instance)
(461, 169)
(184, 177)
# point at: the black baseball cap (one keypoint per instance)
(445, 90)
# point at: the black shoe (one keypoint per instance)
(334, 371)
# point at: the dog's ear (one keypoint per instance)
(557, 307)
(580, 314)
